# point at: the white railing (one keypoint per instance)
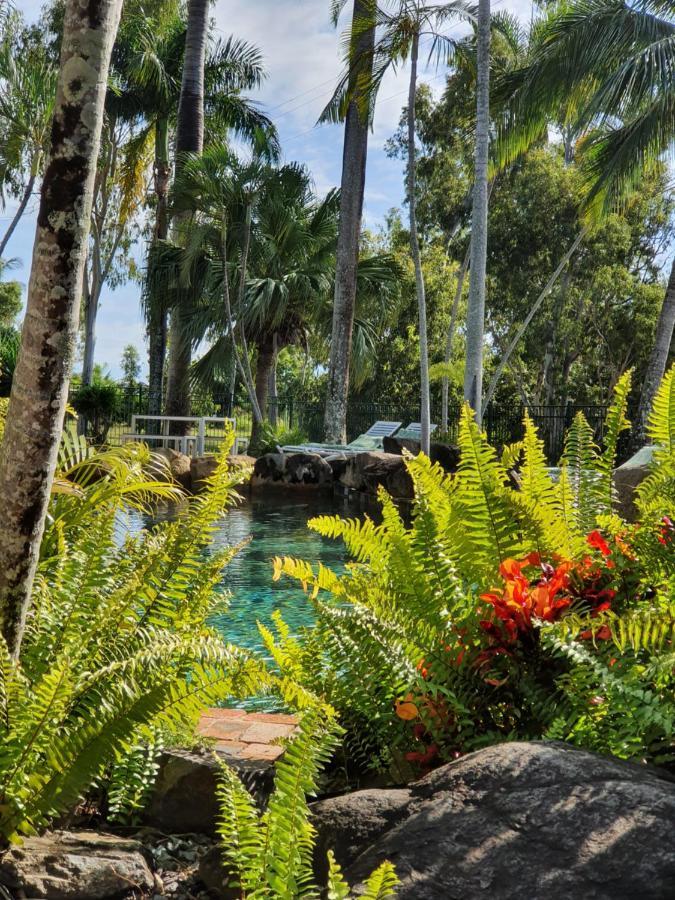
(190, 444)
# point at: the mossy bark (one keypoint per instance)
(40, 386)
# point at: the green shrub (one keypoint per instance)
(269, 855)
(274, 436)
(501, 613)
(98, 403)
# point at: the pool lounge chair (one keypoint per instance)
(370, 440)
(413, 432)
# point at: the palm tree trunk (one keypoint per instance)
(475, 319)
(273, 396)
(49, 335)
(354, 156)
(189, 139)
(157, 318)
(658, 360)
(266, 354)
(425, 403)
(25, 198)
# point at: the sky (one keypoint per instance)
(301, 49)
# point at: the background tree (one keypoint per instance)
(148, 62)
(475, 318)
(40, 387)
(27, 92)
(131, 367)
(613, 60)
(354, 107)
(189, 139)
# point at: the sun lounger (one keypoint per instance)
(370, 440)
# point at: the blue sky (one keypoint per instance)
(301, 50)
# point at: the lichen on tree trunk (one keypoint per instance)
(48, 339)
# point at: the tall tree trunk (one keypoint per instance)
(21, 209)
(49, 335)
(445, 383)
(91, 297)
(658, 360)
(265, 364)
(355, 151)
(189, 139)
(273, 396)
(157, 316)
(425, 403)
(475, 319)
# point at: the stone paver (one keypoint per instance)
(247, 736)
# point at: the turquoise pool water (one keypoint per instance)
(276, 527)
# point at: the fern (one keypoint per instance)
(404, 630)
(117, 646)
(270, 854)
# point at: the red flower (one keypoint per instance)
(596, 540)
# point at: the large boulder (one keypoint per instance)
(84, 865)
(179, 465)
(519, 820)
(629, 476)
(297, 470)
(446, 455)
(366, 472)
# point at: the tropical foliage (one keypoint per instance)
(117, 643)
(516, 604)
(270, 854)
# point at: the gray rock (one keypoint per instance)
(184, 796)
(366, 472)
(519, 820)
(445, 455)
(628, 477)
(83, 865)
(292, 470)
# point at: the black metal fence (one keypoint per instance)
(503, 425)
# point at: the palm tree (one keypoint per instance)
(40, 387)
(148, 62)
(257, 273)
(475, 318)
(189, 139)
(401, 33)
(27, 93)
(610, 63)
(355, 149)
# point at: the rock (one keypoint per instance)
(84, 865)
(338, 464)
(537, 820)
(349, 823)
(179, 465)
(366, 472)
(184, 796)
(444, 454)
(202, 467)
(628, 477)
(292, 469)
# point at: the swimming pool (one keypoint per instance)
(276, 526)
